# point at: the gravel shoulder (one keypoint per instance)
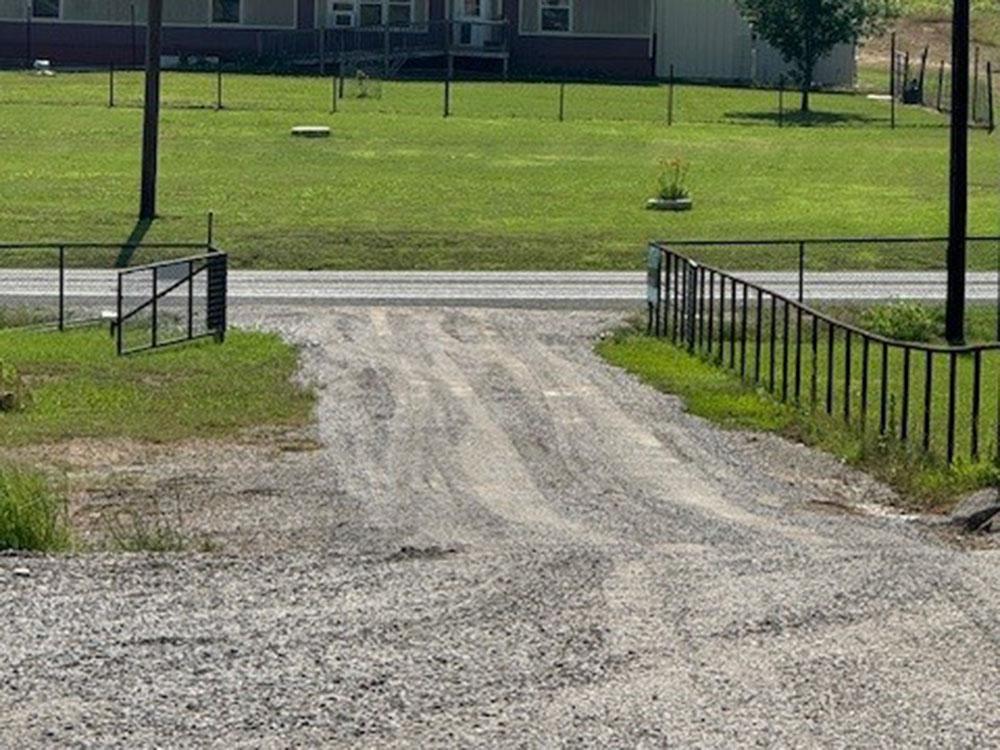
(500, 541)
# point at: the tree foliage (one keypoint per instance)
(804, 31)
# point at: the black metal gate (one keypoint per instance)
(171, 302)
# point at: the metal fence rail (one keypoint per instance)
(944, 401)
(72, 283)
(817, 268)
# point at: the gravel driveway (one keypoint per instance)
(504, 542)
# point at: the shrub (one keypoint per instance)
(32, 516)
(904, 321)
(672, 176)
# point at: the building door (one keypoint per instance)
(474, 17)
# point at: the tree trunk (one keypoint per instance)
(807, 81)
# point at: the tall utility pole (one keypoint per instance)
(151, 113)
(959, 199)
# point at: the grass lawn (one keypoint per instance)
(79, 388)
(723, 396)
(501, 185)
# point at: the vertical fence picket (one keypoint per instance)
(773, 343)
(743, 336)
(701, 308)
(883, 415)
(952, 406)
(814, 378)
(830, 347)
(847, 376)
(928, 398)
(904, 417)
(732, 325)
(977, 382)
(798, 356)
(865, 347)
(711, 310)
(784, 352)
(757, 337)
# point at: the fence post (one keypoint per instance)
(190, 300)
(333, 96)
(923, 70)
(892, 81)
(210, 239)
(802, 272)
(989, 95)
(670, 98)
(387, 44)
(781, 101)
(155, 305)
(447, 97)
(27, 35)
(62, 288)
(975, 85)
(111, 85)
(340, 75)
(322, 49)
(562, 102)
(940, 91)
(118, 322)
(132, 32)
(218, 84)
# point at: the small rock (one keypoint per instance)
(22, 572)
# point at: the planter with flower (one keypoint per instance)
(673, 194)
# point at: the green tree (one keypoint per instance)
(804, 31)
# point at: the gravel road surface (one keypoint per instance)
(503, 542)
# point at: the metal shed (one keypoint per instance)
(709, 40)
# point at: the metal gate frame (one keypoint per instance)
(214, 264)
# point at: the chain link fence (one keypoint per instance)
(216, 84)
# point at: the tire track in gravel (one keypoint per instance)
(505, 542)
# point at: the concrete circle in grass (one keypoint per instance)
(311, 131)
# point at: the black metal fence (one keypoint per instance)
(943, 401)
(364, 84)
(819, 270)
(171, 302)
(922, 81)
(150, 295)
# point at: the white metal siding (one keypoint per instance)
(110, 11)
(187, 12)
(624, 17)
(280, 13)
(13, 10)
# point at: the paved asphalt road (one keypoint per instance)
(502, 542)
(531, 289)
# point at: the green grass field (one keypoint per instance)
(743, 394)
(501, 185)
(79, 388)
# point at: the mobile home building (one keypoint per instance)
(601, 39)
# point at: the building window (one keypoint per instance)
(400, 13)
(342, 13)
(557, 16)
(371, 14)
(391, 12)
(45, 8)
(225, 11)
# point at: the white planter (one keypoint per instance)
(668, 204)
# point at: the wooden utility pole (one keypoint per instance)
(959, 190)
(151, 113)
